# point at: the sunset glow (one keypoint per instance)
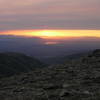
(54, 33)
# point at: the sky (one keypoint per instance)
(18, 17)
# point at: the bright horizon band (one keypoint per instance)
(53, 33)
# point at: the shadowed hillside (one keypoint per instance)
(64, 58)
(14, 63)
(75, 80)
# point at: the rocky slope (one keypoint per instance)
(75, 80)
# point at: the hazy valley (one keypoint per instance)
(38, 47)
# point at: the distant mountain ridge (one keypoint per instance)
(64, 58)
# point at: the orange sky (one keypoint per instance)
(54, 33)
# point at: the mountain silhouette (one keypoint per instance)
(14, 63)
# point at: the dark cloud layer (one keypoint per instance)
(51, 14)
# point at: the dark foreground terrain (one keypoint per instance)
(74, 80)
(15, 63)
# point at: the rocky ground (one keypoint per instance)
(74, 80)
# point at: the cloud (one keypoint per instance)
(59, 14)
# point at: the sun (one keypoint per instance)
(49, 33)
